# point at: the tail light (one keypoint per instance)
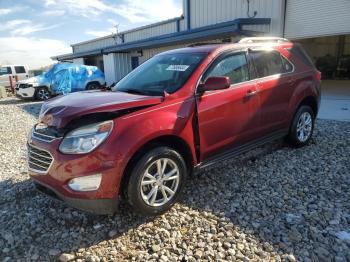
(318, 75)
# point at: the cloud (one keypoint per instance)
(5, 11)
(97, 33)
(24, 27)
(84, 8)
(139, 11)
(54, 12)
(135, 11)
(31, 28)
(12, 24)
(111, 30)
(34, 52)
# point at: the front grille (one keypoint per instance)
(22, 86)
(38, 160)
(46, 134)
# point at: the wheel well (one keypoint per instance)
(171, 141)
(310, 101)
(39, 87)
(93, 82)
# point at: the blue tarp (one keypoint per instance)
(64, 78)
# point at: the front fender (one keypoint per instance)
(137, 129)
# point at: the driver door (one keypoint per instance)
(228, 117)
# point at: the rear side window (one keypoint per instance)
(20, 70)
(233, 66)
(302, 55)
(287, 66)
(269, 63)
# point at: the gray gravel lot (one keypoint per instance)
(274, 203)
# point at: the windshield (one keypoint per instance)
(5, 70)
(161, 73)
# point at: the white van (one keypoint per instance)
(16, 72)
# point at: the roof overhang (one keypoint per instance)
(230, 28)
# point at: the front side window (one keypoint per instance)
(20, 70)
(161, 73)
(234, 67)
(268, 63)
(5, 70)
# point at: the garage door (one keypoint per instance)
(314, 18)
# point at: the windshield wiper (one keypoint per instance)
(133, 91)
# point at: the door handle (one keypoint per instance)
(251, 93)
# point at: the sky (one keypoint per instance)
(31, 31)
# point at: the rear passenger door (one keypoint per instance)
(228, 117)
(275, 85)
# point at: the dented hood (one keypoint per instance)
(58, 112)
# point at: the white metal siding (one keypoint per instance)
(151, 32)
(143, 33)
(208, 12)
(109, 68)
(314, 18)
(116, 66)
(148, 53)
(79, 61)
(123, 65)
(98, 43)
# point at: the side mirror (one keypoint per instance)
(214, 83)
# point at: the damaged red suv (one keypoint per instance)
(180, 111)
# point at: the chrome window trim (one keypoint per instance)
(251, 80)
(279, 74)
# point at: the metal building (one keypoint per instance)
(323, 26)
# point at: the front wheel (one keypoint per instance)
(43, 94)
(156, 181)
(302, 127)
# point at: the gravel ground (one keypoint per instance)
(274, 203)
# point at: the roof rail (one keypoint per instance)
(202, 44)
(247, 40)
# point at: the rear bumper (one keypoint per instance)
(101, 206)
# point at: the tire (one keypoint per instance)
(93, 86)
(42, 94)
(141, 198)
(302, 127)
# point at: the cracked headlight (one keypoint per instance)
(85, 139)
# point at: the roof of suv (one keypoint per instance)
(229, 46)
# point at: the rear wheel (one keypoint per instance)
(156, 181)
(42, 93)
(302, 126)
(93, 86)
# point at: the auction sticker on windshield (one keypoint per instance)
(181, 68)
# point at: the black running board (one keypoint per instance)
(241, 149)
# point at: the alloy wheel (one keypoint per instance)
(159, 182)
(304, 126)
(43, 94)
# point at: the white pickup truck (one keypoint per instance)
(13, 72)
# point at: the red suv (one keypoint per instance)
(180, 111)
